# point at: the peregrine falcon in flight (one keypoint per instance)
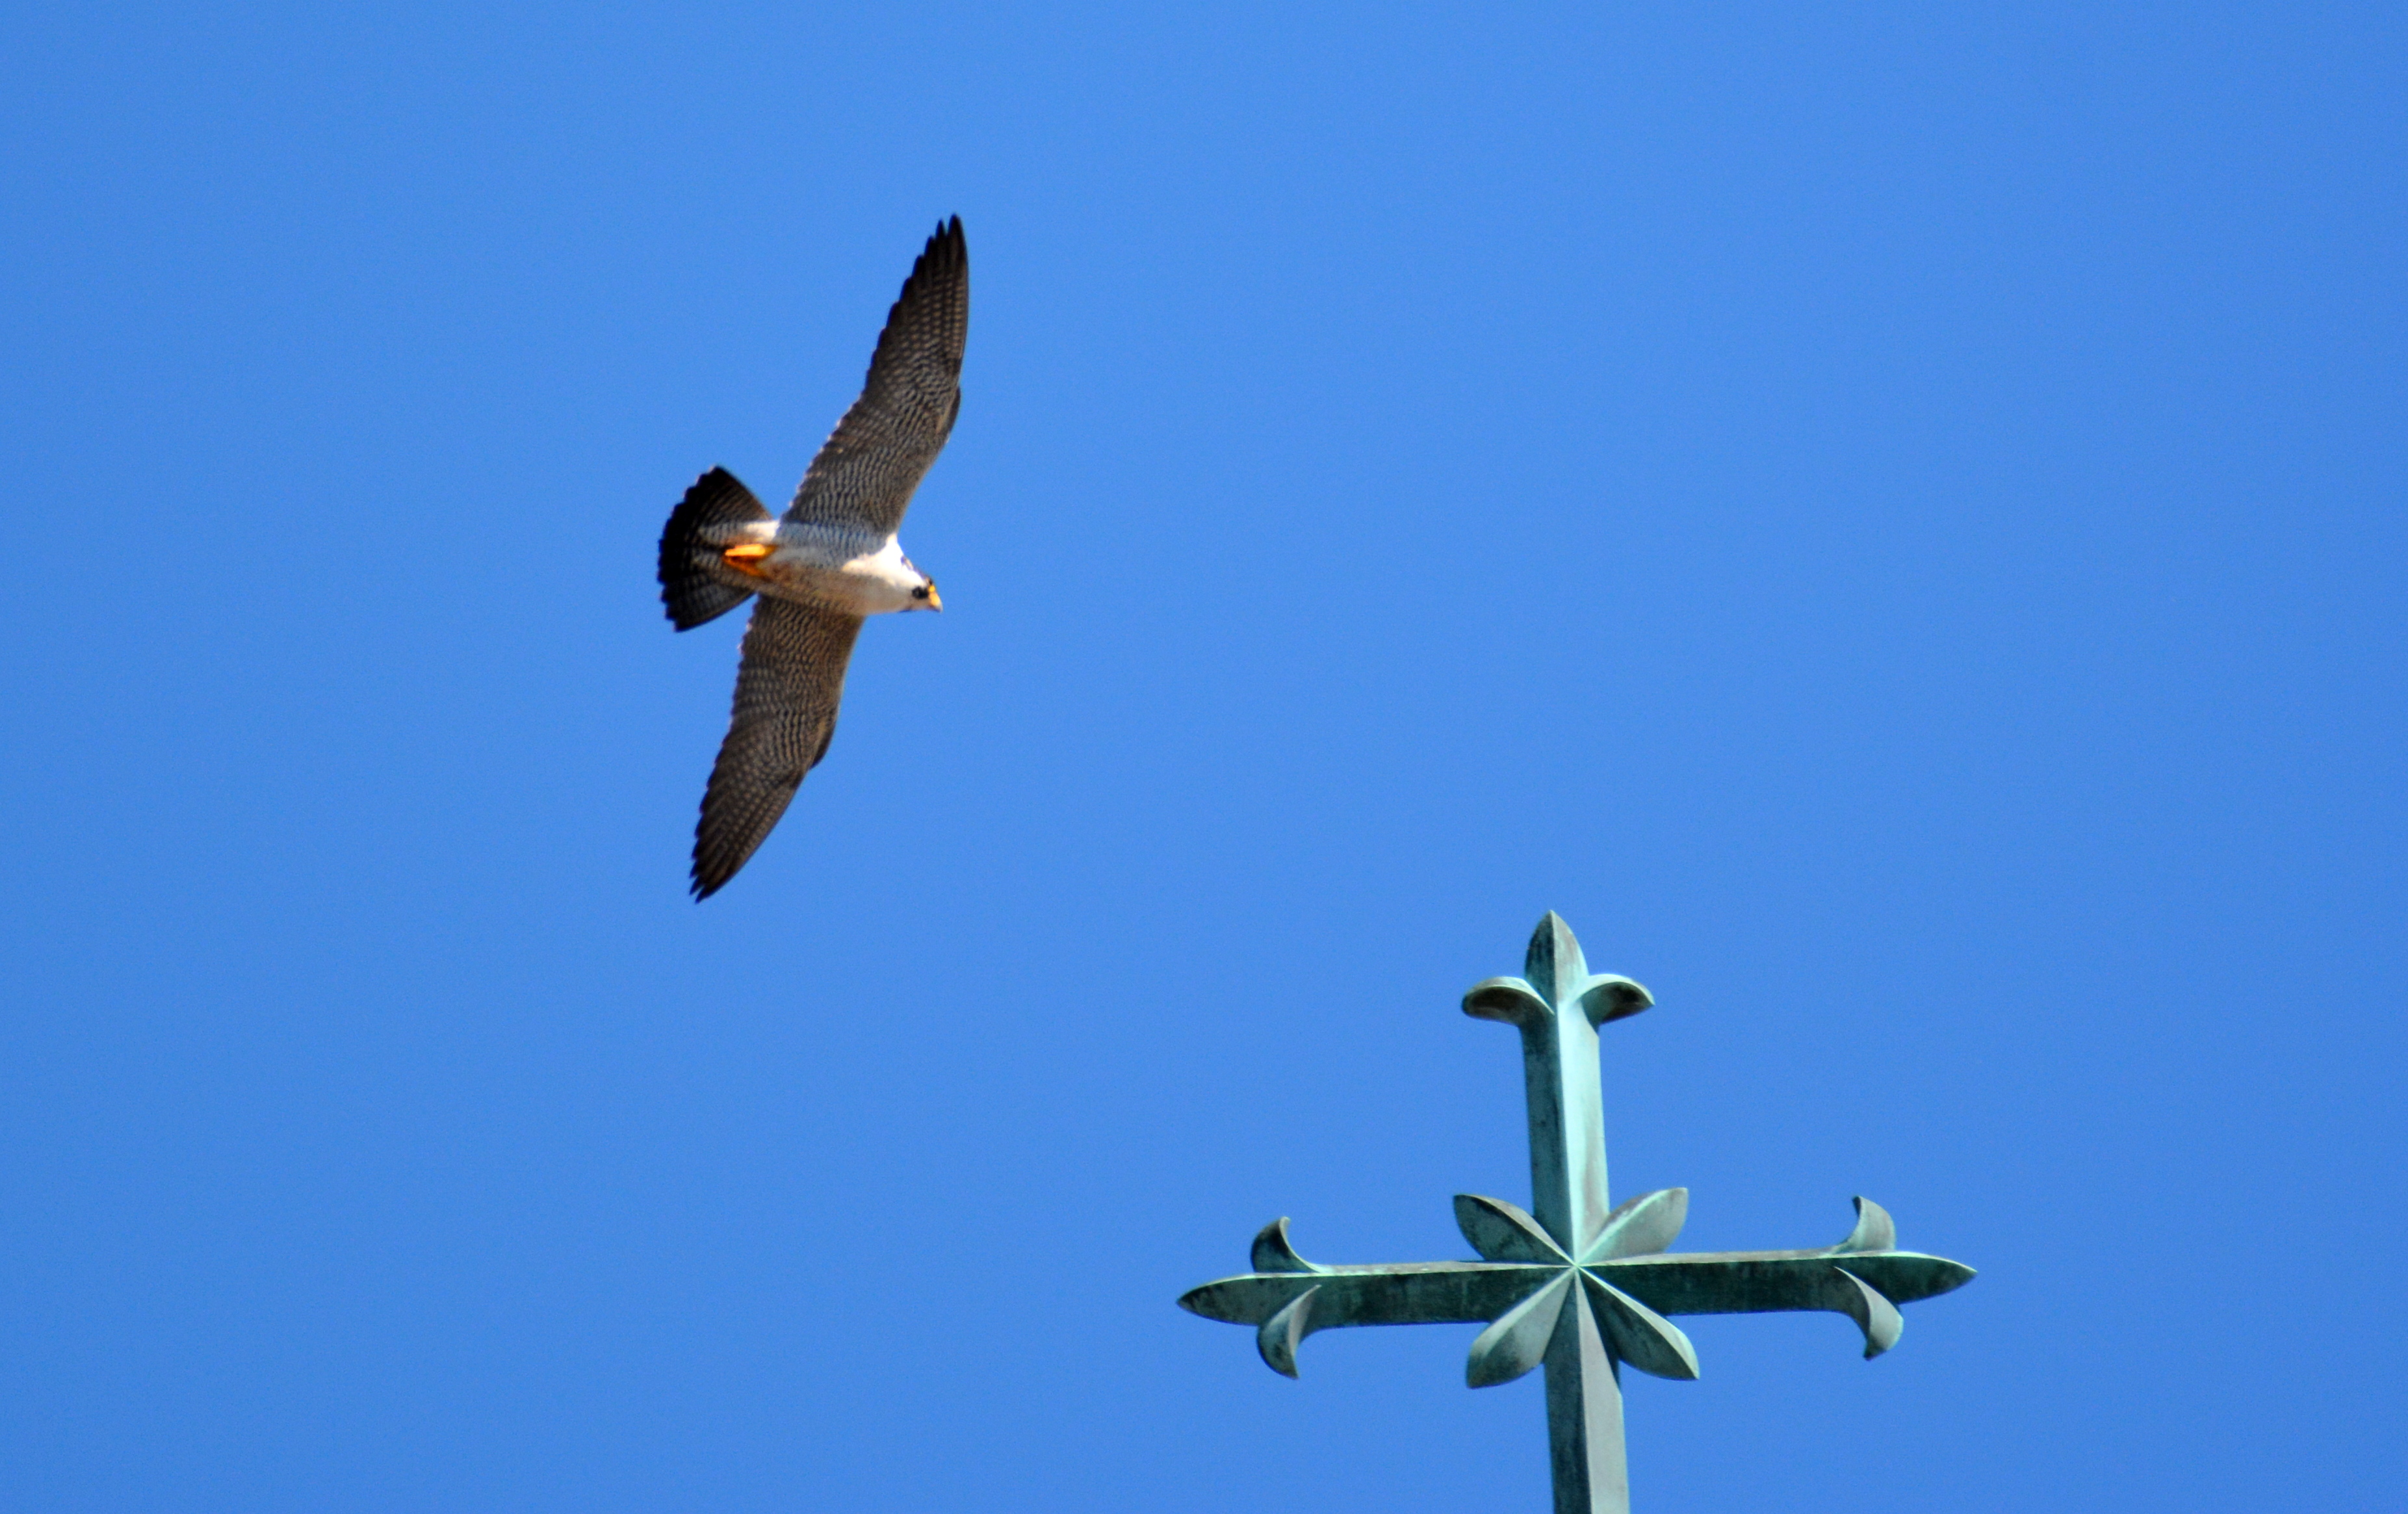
(828, 562)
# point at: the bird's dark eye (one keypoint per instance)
(920, 593)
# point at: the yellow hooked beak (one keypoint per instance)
(933, 602)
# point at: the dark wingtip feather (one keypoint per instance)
(725, 840)
(710, 871)
(711, 867)
(945, 253)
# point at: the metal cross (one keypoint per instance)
(1571, 1284)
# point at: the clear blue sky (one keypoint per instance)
(1889, 518)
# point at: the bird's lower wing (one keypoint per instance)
(787, 694)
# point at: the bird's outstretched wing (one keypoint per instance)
(787, 689)
(865, 470)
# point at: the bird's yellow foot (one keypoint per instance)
(745, 557)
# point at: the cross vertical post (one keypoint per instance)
(1584, 1455)
(1557, 1004)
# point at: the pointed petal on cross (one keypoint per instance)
(1510, 999)
(1640, 1336)
(1640, 1226)
(1875, 1230)
(1518, 1340)
(1876, 1316)
(1501, 1232)
(1272, 1252)
(1279, 1335)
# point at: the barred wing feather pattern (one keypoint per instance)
(787, 689)
(866, 471)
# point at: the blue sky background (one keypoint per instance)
(1889, 519)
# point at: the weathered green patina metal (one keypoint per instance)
(1571, 1284)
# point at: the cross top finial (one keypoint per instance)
(1572, 1284)
(1555, 974)
(1557, 1007)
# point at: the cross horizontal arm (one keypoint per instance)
(1286, 1306)
(1410, 1294)
(1865, 1277)
(1763, 1282)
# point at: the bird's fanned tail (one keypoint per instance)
(787, 691)
(694, 585)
